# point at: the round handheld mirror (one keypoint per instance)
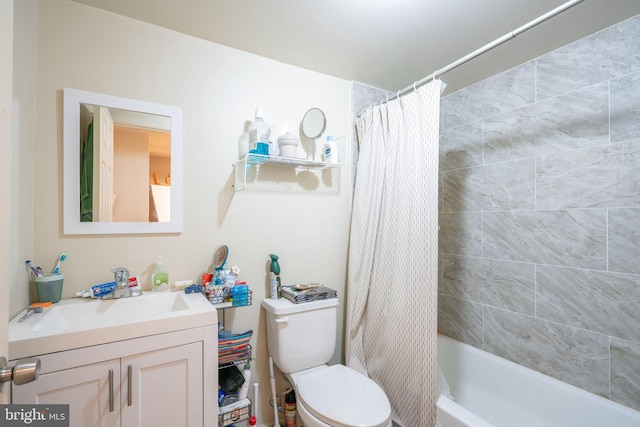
(220, 257)
(314, 123)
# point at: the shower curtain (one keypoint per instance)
(391, 323)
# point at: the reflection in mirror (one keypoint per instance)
(314, 123)
(122, 170)
(122, 155)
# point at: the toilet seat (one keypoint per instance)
(342, 397)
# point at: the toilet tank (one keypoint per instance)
(301, 336)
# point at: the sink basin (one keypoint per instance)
(93, 313)
(76, 323)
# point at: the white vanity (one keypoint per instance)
(144, 361)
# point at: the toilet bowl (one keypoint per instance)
(301, 340)
(338, 396)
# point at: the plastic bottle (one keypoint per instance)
(259, 133)
(330, 151)
(253, 420)
(244, 390)
(160, 277)
(290, 409)
(274, 268)
(273, 283)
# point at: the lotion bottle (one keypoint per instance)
(330, 151)
(160, 277)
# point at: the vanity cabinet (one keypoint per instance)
(85, 388)
(160, 380)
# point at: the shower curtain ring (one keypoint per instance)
(414, 86)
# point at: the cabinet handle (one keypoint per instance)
(129, 385)
(110, 390)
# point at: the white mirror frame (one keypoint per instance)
(72, 98)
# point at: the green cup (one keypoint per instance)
(49, 287)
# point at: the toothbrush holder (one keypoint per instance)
(49, 287)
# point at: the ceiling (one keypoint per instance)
(387, 44)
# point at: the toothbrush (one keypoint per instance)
(33, 268)
(62, 257)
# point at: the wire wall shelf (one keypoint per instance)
(258, 172)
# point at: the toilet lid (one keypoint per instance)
(341, 396)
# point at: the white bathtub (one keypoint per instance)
(488, 391)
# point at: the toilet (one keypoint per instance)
(301, 340)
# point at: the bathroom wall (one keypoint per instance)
(540, 214)
(23, 139)
(218, 89)
(6, 130)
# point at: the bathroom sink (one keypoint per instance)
(75, 323)
(91, 313)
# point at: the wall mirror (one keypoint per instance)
(314, 123)
(122, 165)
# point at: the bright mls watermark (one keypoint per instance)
(34, 415)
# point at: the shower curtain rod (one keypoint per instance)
(558, 10)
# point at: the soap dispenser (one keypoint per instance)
(160, 277)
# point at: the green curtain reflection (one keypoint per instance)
(86, 177)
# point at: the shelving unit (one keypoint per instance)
(235, 350)
(234, 413)
(256, 169)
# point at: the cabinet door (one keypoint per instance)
(163, 388)
(87, 390)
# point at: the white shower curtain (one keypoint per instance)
(391, 326)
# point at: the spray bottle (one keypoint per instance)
(275, 269)
(290, 409)
(273, 284)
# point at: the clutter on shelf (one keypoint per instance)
(222, 287)
(234, 412)
(224, 290)
(233, 347)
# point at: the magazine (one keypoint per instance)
(315, 293)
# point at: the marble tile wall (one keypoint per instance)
(540, 214)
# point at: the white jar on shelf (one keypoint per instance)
(288, 144)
